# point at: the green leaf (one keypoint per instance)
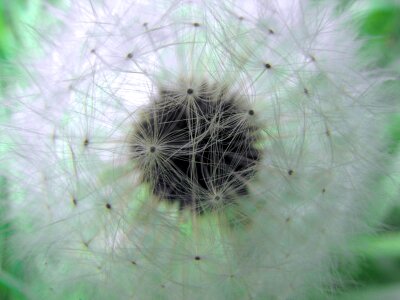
(387, 244)
(390, 292)
(382, 25)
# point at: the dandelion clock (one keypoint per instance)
(190, 150)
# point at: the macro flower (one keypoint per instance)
(191, 150)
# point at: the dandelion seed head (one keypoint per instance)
(191, 150)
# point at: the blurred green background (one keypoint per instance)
(376, 274)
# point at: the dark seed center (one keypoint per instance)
(207, 147)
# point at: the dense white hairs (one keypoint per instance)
(86, 224)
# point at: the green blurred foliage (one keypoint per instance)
(382, 26)
(15, 18)
(10, 286)
(377, 271)
(11, 12)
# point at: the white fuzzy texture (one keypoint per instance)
(319, 111)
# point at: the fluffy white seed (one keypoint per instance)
(88, 227)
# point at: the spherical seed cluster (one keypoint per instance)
(190, 150)
(197, 149)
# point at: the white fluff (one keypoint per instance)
(321, 116)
